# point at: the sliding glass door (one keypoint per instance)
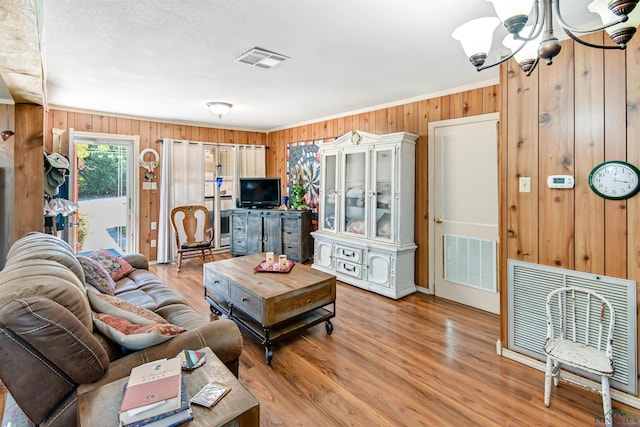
(218, 190)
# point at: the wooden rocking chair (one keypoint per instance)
(193, 238)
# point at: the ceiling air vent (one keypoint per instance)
(261, 58)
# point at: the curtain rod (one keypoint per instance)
(266, 147)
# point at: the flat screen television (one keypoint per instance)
(259, 192)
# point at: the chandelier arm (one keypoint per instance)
(500, 61)
(533, 67)
(568, 28)
(597, 46)
(508, 57)
(535, 28)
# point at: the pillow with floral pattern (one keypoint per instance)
(117, 266)
(96, 275)
(115, 306)
(132, 336)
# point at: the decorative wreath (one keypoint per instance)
(150, 166)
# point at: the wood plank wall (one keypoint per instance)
(566, 119)
(150, 132)
(28, 156)
(414, 117)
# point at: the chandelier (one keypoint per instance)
(530, 43)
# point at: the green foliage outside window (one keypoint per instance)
(102, 170)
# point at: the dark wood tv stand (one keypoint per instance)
(287, 232)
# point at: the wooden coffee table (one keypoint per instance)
(272, 306)
(98, 407)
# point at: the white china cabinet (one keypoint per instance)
(366, 217)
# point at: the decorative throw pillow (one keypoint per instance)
(95, 274)
(117, 266)
(115, 306)
(132, 336)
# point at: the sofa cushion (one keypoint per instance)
(47, 279)
(182, 315)
(38, 245)
(143, 288)
(117, 266)
(139, 298)
(108, 304)
(132, 336)
(54, 331)
(96, 275)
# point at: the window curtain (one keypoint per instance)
(251, 161)
(181, 183)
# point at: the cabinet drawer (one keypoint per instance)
(238, 233)
(303, 302)
(289, 237)
(239, 245)
(291, 225)
(349, 254)
(217, 285)
(292, 252)
(349, 268)
(246, 302)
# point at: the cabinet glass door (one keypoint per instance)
(383, 200)
(329, 178)
(355, 193)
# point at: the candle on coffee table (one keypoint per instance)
(270, 259)
(283, 262)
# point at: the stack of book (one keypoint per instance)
(155, 396)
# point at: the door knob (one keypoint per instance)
(437, 220)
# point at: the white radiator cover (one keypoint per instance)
(528, 287)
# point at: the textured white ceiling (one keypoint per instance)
(165, 59)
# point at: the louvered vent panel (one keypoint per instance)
(528, 287)
(261, 58)
(470, 262)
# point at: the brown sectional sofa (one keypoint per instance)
(48, 345)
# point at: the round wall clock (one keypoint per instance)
(615, 180)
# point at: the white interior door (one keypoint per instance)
(464, 206)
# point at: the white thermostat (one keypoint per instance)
(560, 181)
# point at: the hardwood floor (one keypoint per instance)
(420, 361)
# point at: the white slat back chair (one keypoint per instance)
(578, 313)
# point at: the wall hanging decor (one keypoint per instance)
(303, 157)
(149, 165)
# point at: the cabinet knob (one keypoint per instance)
(438, 220)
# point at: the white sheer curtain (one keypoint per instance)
(181, 183)
(251, 161)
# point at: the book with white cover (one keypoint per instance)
(152, 389)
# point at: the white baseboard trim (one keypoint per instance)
(424, 290)
(627, 399)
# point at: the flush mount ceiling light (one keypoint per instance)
(261, 58)
(219, 108)
(529, 44)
